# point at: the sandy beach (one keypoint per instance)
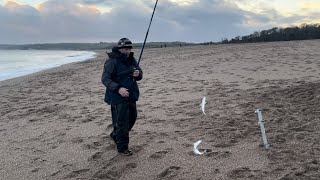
(55, 125)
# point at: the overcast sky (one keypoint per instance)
(52, 21)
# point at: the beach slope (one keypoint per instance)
(55, 125)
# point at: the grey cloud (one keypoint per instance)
(63, 21)
(18, 23)
(205, 21)
(95, 2)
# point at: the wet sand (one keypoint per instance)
(55, 125)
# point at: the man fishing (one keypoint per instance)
(120, 75)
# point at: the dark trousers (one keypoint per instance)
(124, 116)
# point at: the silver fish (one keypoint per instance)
(195, 149)
(203, 103)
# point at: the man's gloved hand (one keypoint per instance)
(136, 73)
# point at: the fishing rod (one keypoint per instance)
(147, 33)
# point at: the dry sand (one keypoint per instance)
(55, 125)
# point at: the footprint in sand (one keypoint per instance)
(157, 121)
(243, 172)
(95, 156)
(169, 173)
(114, 172)
(74, 174)
(158, 155)
(77, 140)
(35, 170)
(218, 154)
(109, 127)
(138, 148)
(93, 145)
(112, 175)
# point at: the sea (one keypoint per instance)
(15, 63)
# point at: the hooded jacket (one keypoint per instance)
(117, 73)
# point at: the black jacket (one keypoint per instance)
(117, 73)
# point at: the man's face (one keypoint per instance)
(125, 51)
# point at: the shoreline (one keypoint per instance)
(53, 66)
